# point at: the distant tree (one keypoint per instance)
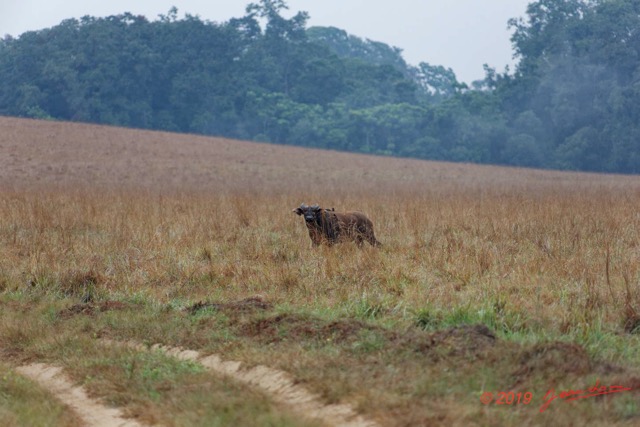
(572, 101)
(438, 81)
(349, 46)
(577, 65)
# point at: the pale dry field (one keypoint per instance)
(44, 155)
(142, 225)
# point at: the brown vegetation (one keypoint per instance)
(488, 276)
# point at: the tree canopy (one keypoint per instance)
(572, 102)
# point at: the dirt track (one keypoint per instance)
(91, 411)
(278, 385)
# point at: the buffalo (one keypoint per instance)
(328, 226)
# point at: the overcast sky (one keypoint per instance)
(460, 34)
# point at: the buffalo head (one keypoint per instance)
(310, 213)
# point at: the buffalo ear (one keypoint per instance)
(300, 210)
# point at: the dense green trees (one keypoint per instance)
(573, 101)
(578, 75)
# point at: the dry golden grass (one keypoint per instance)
(559, 259)
(166, 220)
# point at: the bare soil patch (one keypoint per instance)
(470, 341)
(247, 305)
(462, 341)
(296, 327)
(553, 359)
(90, 309)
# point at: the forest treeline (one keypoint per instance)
(572, 101)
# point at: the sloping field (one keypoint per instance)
(43, 154)
(165, 279)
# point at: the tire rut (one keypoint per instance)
(90, 411)
(278, 385)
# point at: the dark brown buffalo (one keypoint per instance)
(329, 226)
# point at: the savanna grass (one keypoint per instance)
(563, 261)
(541, 264)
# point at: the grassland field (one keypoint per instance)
(489, 279)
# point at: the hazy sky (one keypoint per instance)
(460, 34)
